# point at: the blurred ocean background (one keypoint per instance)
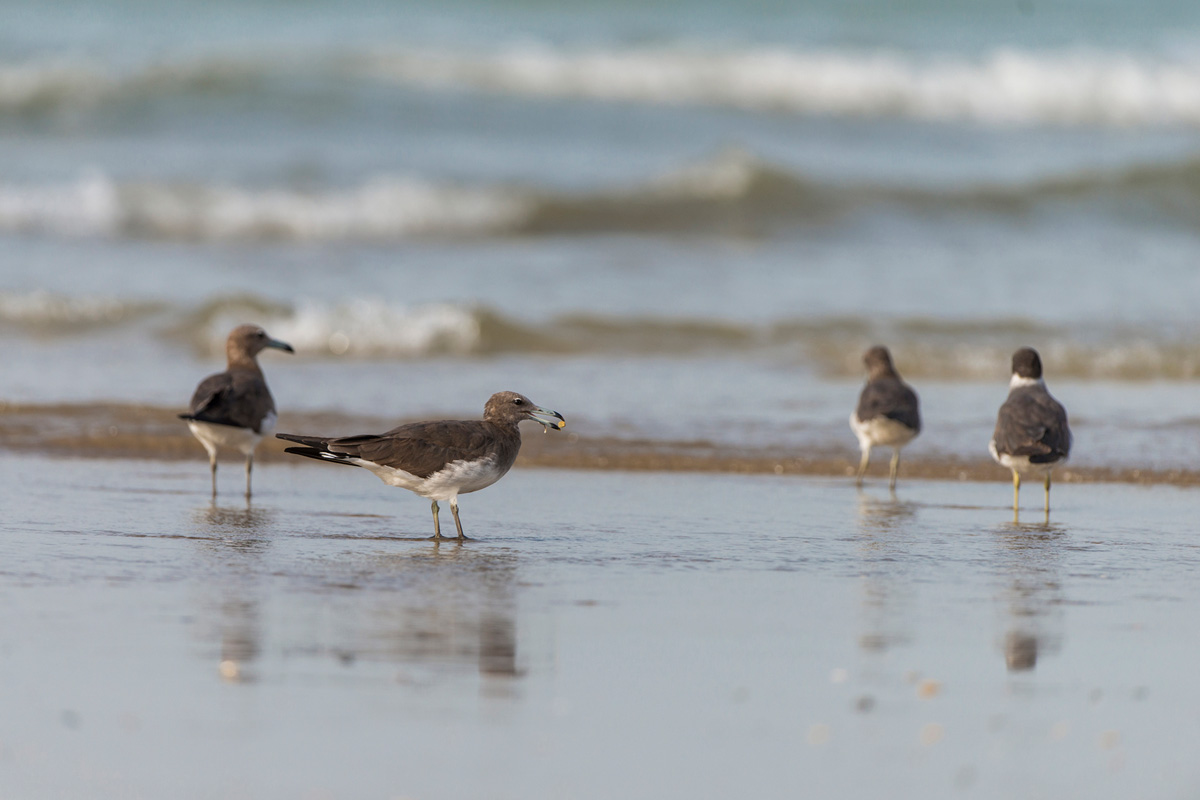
(681, 219)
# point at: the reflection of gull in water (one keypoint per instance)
(241, 635)
(886, 602)
(882, 515)
(457, 605)
(498, 645)
(238, 526)
(1032, 560)
(1020, 651)
(236, 546)
(427, 608)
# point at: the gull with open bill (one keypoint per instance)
(438, 460)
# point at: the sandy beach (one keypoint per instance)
(602, 630)
(680, 225)
(124, 430)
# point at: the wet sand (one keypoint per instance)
(121, 430)
(606, 634)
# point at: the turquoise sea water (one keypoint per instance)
(435, 201)
(671, 220)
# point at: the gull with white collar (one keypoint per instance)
(1032, 435)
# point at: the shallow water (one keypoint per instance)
(1122, 430)
(685, 219)
(674, 222)
(601, 631)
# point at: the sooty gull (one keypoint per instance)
(1032, 436)
(887, 414)
(234, 408)
(438, 460)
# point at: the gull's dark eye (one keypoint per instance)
(518, 402)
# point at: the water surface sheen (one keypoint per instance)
(601, 632)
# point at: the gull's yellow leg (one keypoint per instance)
(212, 465)
(437, 531)
(862, 466)
(895, 469)
(1016, 494)
(457, 524)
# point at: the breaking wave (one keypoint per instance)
(375, 329)
(731, 193)
(1004, 86)
(385, 208)
(37, 87)
(45, 312)
(925, 348)
(361, 328)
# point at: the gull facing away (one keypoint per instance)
(1032, 435)
(234, 408)
(887, 414)
(438, 460)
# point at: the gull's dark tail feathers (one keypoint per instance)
(314, 447)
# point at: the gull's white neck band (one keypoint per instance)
(1019, 382)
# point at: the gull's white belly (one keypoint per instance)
(881, 431)
(1022, 464)
(213, 436)
(457, 477)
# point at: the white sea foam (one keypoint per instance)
(89, 206)
(49, 82)
(728, 174)
(42, 309)
(375, 328)
(78, 83)
(1005, 86)
(358, 328)
(385, 208)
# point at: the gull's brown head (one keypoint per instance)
(879, 363)
(247, 341)
(510, 408)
